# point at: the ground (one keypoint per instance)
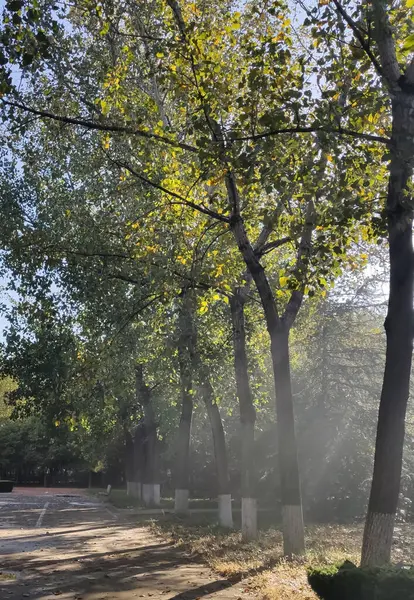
(75, 546)
(261, 564)
(66, 544)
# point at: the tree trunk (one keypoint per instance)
(292, 518)
(220, 454)
(247, 418)
(183, 452)
(186, 343)
(138, 460)
(150, 484)
(399, 324)
(129, 461)
(293, 532)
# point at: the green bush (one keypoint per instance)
(348, 582)
(6, 486)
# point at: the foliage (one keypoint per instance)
(375, 583)
(6, 486)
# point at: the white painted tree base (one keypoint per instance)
(129, 488)
(181, 501)
(293, 531)
(135, 488)
(377, 543)
(225, 511)
(151, 494)
(249, 519)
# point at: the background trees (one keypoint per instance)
(226, 157)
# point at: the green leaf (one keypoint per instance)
(409, 41)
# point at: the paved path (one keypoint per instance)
(73, 547)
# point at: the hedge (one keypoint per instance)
(348, 582)
(6, 486)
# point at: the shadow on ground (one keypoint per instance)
(87, 555)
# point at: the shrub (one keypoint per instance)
(6, 486)
(348, 582)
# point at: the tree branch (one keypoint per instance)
(184, 201)
(132, 316)
(301, 268)
(359, 36)
(311, 129)
(272, 245)
(386, 44)
(86, 254)
(101, 126)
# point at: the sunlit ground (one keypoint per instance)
(261, 562)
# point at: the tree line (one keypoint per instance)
(192, 159)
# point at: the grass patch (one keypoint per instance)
(268, 573)
(120, 499)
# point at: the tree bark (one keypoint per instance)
(183, 449)
(220, 454)
(138, 460)
(186, 343)
(292, 518)
(129, 461)
(247, 417)
(194, 362)
(293, 532)
(150, 484)
(399, 326)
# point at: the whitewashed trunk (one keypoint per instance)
(156, 491)
(136, 489)
(181, 501)
(151, 494)
(225, 511)
(249, 519)
(129, 485)
(293, 532)
(377, 544)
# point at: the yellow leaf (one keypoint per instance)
(160, 54)
(283, 281)
(410, 3)
(203, 307)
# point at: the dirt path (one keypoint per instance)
(72, 547)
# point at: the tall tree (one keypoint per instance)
(220, 144)
(381, 79)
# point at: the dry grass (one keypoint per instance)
(261, 562)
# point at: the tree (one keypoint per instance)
(186, 344)
(380, 45)
(221, 143)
